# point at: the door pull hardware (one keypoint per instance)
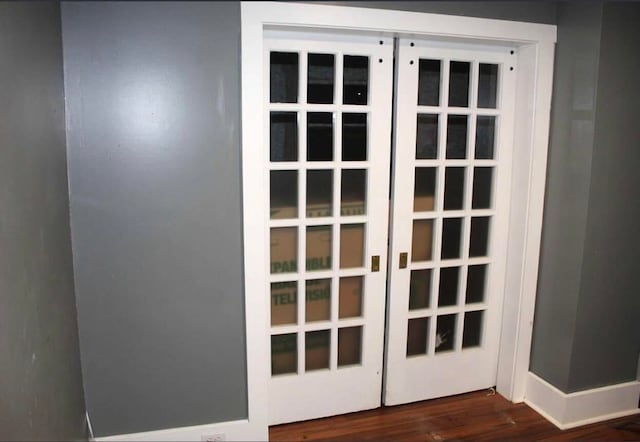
(403, 260)
(375, 263)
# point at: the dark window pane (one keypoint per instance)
(485, 137)
(417, 333)
(356, 79)
(453, 188)
(319, 136)
(482, 180)
(487, 85)
(459, 83)
(349, 346)
(320, 81)
(317, 304)
(476, 278)
(451, 233)
(284, 136)
(429, 83)
(427, 137)
(319, 250)
(419, 289)
(472, 334)
(421, 240)
(319, 193)
(283, 192)
(284, 249)
(479, 241)
(424, 189)
(353, 192)
(284, 77)
(448, 290)
(284, 354)
(284, 303)
(354, 137)
(456, 137)
(351, 245)
(445, 332)
(317, 345)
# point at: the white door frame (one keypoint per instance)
(535, 42)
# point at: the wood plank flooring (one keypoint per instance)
(477, 416)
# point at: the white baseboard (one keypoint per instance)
(240, 430)
(569, 410)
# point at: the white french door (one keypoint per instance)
(327, 119)
(451, 187)
(328, 125)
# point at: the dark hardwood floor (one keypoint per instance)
(474, 416)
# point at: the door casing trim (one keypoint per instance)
(536, 44)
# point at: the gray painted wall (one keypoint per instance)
(40, 380)
(567, 194)
(586, 331)
(153, 120)
(607, 338)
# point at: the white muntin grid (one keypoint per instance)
(335, 221)
(466, 214)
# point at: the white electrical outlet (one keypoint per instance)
(213, 437)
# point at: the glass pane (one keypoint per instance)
(284, 136)
(445, 332)
(318, 300)
(451, 233)
(350, 304)
(422, 240)
(448, 291)
(284, 77)
(349, 346)
(420, 289)
(427, 137)
(456, 137)
(479, 241)
(284, 194)
(284, 354)
(351, 245)
(319, 136)
(424, 189)
(354, 137)
(417, 334)
(321, 78)
(476, 278)
(429, 82)
(319, 193)
(318, 248)
(482, 179)
(454, 188)
(487, 85)
(284, 303)
(472, 334)
(485, 137)
(459, 83)
(317, 349)
(356, 79)
(284, 249)
(353, 192)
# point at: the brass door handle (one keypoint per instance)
(375, 263)
(403, 260)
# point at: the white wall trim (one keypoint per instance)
(240, 430)
(536, 44)
(569, 410)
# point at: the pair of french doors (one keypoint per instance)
(388, 172)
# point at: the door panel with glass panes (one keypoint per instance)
(451, 185)
(328, 118)
(328, 122)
